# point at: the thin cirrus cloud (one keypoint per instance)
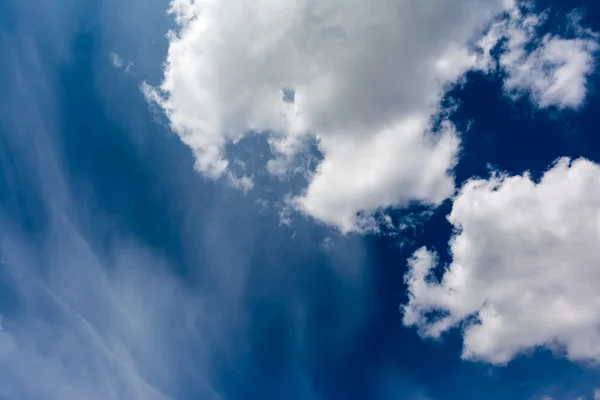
(524, 267)
(367, 82)
(78, 323)
(84, 325)
(82, 332)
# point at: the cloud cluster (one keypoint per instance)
(552, 70)
(524, 270)
(365, 80)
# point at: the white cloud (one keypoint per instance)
(116, 60)
(86, 322)
(244, 183)
(524, 263)
(84, 318)
(552, 70)
(366, 78)
(84, 333)
(94, 315)
(595, 396)
(118, 63)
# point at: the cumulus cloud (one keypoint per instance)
(524, 270)
(552, 70)
(363, 79)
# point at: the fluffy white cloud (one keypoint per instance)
(524, 264)
(364, 79)
(552, 70)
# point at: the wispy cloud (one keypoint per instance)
(81, 322)
(85, 328)
(117, 62)
(90, 319)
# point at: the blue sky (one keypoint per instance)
(172, 226)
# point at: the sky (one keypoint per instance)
(304, 200)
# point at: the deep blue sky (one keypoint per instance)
(73, 126)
